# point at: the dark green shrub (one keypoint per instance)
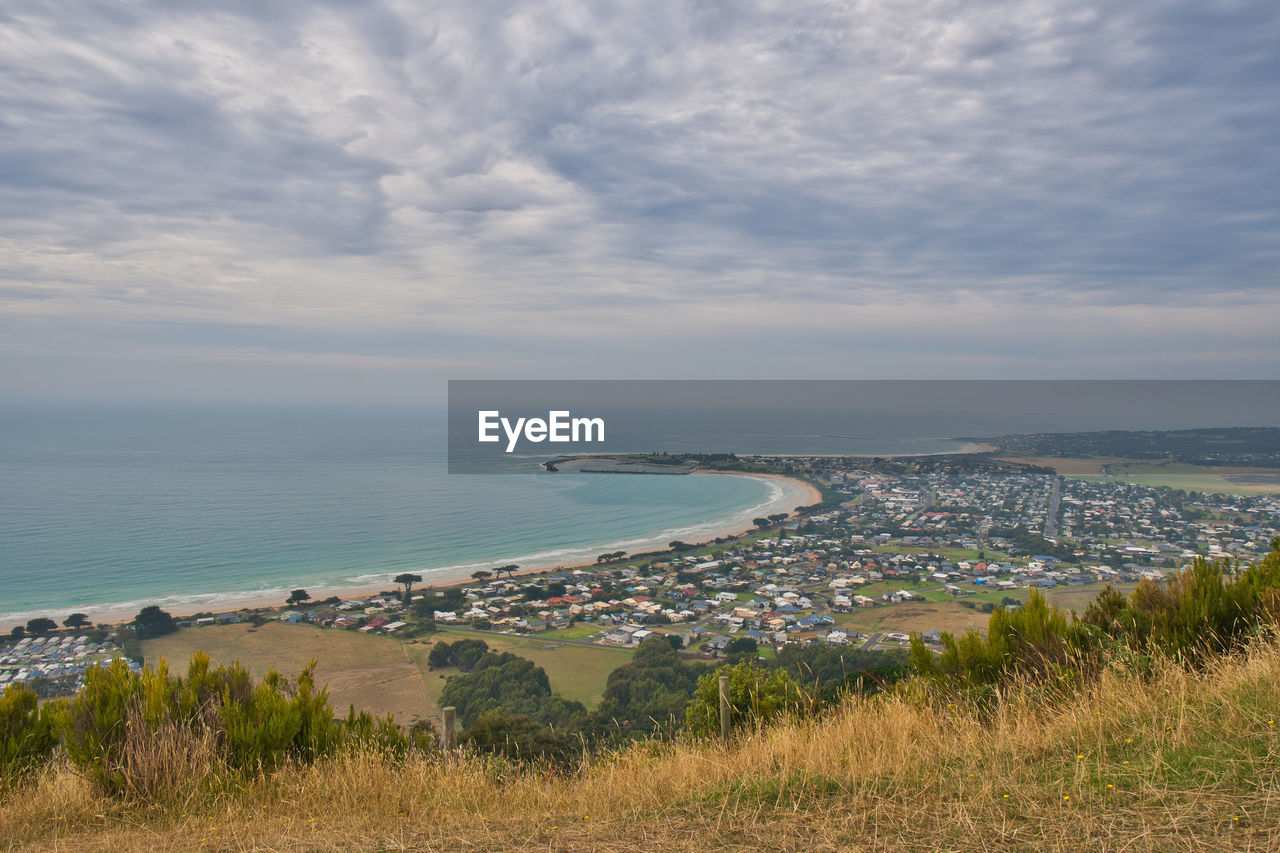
(142, 732)
(757, 696)
(517, 738)
(1035, 643)
(28, 732)
(1206, 610)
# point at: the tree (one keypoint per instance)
(407, 581)
(647, 694)
(151, 621)
(761, 522)
(509, 570)
(482, 575)
(297, 597)
(756, 696)
(515, 685)
(41, 625)
(77, 620)
(741, 649)
(17, 632)
(464, 654)
(830, 671)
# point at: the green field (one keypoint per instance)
(1194, 478)
(1175, 475)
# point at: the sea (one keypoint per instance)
(112, 507)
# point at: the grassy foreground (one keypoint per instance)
(1179, 761)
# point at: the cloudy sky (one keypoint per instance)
(357, 200)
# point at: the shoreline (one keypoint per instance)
(793, 493)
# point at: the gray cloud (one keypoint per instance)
(383, 172)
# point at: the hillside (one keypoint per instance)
(1175, 761)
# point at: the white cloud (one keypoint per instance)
(637, 172)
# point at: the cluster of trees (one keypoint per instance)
(506, 705)
(463, 654)
(648, 694)
(500, 681)
(765, 521)
(610, 556)
(483, 575)
(43, 626)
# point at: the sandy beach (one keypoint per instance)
(788, 493)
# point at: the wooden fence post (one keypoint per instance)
(450, 732)
(724, 707)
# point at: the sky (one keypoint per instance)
(356, 201)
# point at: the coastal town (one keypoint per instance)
(901, 546)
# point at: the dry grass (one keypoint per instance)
(373, 673)
(1180, 762)
(917, 616)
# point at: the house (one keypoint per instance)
(716, 645)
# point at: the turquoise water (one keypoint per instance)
(103, 506)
